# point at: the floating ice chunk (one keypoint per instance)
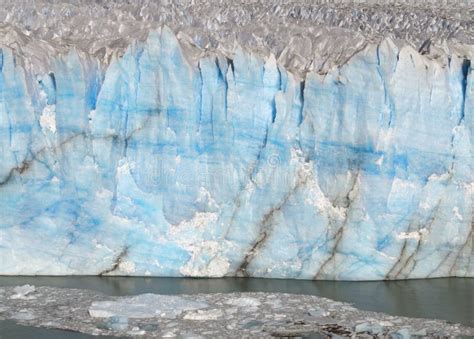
(23, 291)
(204, 315)
(243, 302)
(318, 312)
(169, 334)
(253, 323)
(118, 323)
(421, 332)
(145, 306)
(404, 333)
(369, 328)
(24, 314)
(136, 331)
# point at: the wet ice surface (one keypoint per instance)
(207, 315)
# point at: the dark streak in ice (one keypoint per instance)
(116, 262)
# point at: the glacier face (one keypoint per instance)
(163, 165)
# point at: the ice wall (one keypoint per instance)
(165, 165)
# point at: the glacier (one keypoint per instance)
(164, 163)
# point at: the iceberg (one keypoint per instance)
(173, 160)
(212, 315)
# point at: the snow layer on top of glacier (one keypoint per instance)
(303, 35)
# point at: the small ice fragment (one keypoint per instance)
(243, 302)
(318, 312)
(118, 323)
(136, 331)
(169, 335)
(421, 332)
(253, 323)
(404, 333)
(369, 328)
(190, 335)
(145, 306)
(204, 315)
(23, 291)
(24, 314)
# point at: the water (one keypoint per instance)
(10, 330)
(450, 299)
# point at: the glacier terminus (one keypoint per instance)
(179, 152)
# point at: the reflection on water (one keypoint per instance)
(447, 298)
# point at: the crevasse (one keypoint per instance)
(166, 165)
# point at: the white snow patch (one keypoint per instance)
(206, 197)
(200, 219)
(401, 184)
(412, 235)
(124, 168)
(385, 138)
(470, 187)
(379, 161)
(136, 331)
(205, 259)
(218, 266)
(127, 266)
(439, 177)
(48, 118)
(104, 194)
(316, 196)
(457, 214)
(385, 323)
(424, 205)
(386, 255)
(91, 115)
